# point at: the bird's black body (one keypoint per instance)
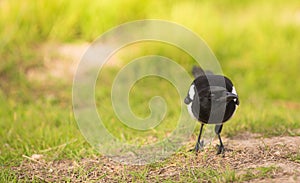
(212, 99)
(202, 104)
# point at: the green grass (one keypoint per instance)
(258, 173)
(294, 157)
(7, 176)
(256, 42)
(209, 174)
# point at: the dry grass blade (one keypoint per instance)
(32, 159)
(59, 146)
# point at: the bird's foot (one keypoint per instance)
(221, 150)
(198, 147)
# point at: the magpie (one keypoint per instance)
(211, 99)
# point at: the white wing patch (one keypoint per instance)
(191, 96)
(192, 92)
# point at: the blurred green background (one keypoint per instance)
(256, 42)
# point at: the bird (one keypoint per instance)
(211, 99)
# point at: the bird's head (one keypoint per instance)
(218, 95)
(213, 94)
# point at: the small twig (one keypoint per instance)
(31, 159)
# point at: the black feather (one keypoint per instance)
(213, 102)
(202, 105)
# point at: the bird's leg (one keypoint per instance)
(221, 148)
(199, 144)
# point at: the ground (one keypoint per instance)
(248, 158)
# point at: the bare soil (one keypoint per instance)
(61, 60)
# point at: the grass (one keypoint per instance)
(256, 42)
(294, 157)
(209, 174)
(258, 173)
(7, 176)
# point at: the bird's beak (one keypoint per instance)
(187, 100)
(230, 96)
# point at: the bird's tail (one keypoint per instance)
(198, 71)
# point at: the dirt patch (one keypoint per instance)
(256, 159)
(61, 60)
